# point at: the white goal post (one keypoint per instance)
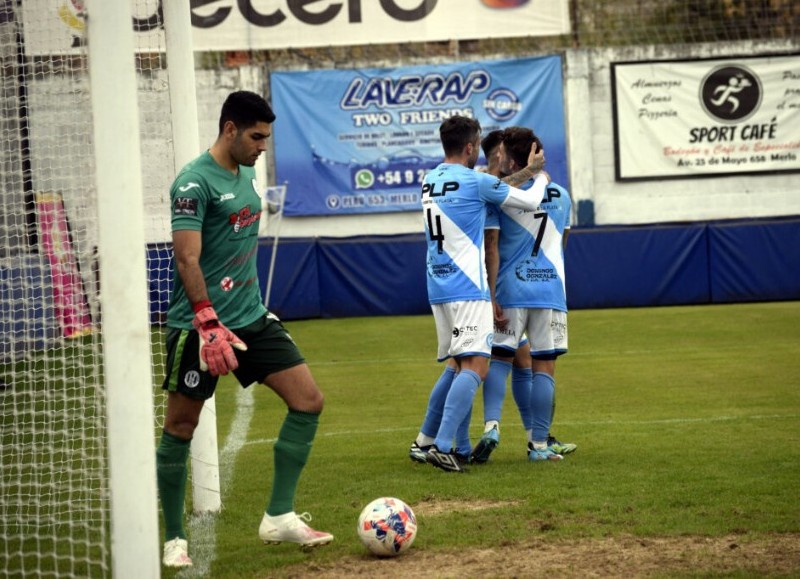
(186, 138)
(88, 153)
(126, 332)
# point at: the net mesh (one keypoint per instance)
(54, 506)
(54, 499)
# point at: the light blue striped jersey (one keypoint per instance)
(454, 201)
(531, 273)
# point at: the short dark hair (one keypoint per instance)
(518, 142)
(491, 141)
(458, 131)
(245, 109)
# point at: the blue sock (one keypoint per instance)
(463, 443)
(521, 389)
(456, 407)
(494, 390)
(542, 389)
(433, 416)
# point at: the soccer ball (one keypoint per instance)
(387, 527)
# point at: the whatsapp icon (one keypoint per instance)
(364, 179)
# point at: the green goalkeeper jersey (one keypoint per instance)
(226, 209)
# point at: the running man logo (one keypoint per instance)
(730, 93)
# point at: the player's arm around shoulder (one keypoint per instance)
(532, 169)
(532, 197)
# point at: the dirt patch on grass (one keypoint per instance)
(626, 556)
(435, 506)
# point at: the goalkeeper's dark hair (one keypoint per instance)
(456, 132)
(245, 109)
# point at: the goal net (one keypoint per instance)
(54, 503)
(59, 350)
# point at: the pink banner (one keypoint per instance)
(69, 299)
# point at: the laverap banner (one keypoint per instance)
(361, 141)
(57, 26)
(707, 117)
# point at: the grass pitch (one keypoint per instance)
(687, 421)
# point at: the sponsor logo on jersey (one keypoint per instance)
(189, 185)
(192, 379)
(228, 283)
(528, 272)
(242, 258)
(465, 330)
(227, 197)
(244, 218)
(184, 206)
(441, 270)
(558, 330)
(550, 193)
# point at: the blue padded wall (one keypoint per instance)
(606, 267)
(755, 261)
(637, 266)
(295, 289)
(377, 275)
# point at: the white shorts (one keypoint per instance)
(464, 329)
(546, 329)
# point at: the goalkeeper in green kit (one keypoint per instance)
(218, 324)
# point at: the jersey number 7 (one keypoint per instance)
(539, 233)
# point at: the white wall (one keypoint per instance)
(62, 156)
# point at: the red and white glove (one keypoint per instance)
(216, 342)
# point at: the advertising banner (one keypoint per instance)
(361, 141)
(684, 119)
(57, 26)
(71, 308)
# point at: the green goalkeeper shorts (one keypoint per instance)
(270, 349)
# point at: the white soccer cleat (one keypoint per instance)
(291, 528)
(176, 553)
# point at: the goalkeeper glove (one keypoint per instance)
(216, 342)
